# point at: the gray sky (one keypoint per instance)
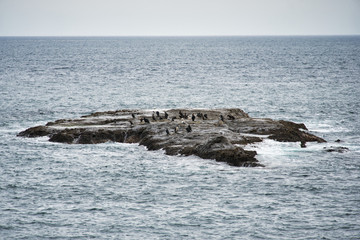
(178, 17)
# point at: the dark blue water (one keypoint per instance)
(112, 190)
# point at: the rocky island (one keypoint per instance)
(219, 134)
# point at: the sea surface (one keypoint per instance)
(122, 191)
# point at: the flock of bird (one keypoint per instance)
(156, 116)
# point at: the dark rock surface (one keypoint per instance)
(338, 149)
(218, 134)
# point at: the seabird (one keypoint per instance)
(167, 132)
(193, 117)
(146, 120)
(166, 115)
(133, 115)
(131, 123)
(157, 113)
(188, 129)
(222, 117)
(231, 117)
(173, 118)
(153, 117)
(176, 129)
(205, 116)
(181, 115)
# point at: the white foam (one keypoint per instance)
(254, 135)
(273, 154)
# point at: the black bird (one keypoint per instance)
(146, 120)
(166, 115)
(133, 115)
(153, 117)
(173, 118)
(231, 117)
(131, 123)
(222, 117)
(167, 132)
(181, 115)
(157, 113)
(200, 115)
(193, 117)
(188, 129)
(205, 116)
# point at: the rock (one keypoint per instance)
(38, 131)
(220, 149)
(336, 149)
(290, 132)
(206, 138)
(62, 138)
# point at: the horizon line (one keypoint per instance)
(244, 35)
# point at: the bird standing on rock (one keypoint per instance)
(146, 120)
(167, 132)
(193, 117)
(188, 129)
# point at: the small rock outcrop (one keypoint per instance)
(219, 134)
(220, 149)
(338, 149)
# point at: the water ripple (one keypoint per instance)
(106, 191)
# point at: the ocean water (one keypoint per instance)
(122, 191)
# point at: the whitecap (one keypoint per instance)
(272, 153)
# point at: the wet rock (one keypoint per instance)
(220, 149)
(211, 135)
(336, 149)
(290, 132)
(38, 131)
(62, 137)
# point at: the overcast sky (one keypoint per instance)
(178, 17)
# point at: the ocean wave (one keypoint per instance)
(61, 68)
